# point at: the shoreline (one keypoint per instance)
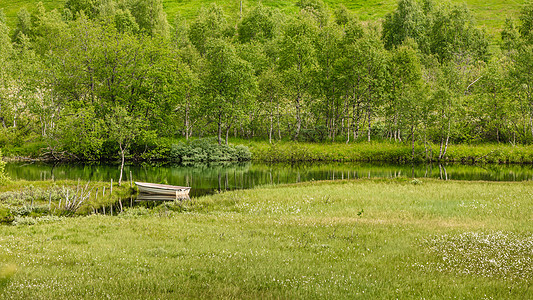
(374, 152)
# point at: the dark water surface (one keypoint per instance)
(206, 179)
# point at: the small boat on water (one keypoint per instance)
(161, 192)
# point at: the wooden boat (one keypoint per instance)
(161, 192)
(154, 197)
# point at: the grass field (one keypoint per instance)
(369, 239)
(490, 14)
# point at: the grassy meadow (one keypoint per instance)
(320, 240)
(489, 14)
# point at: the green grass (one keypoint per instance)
(370, 239)
(490, 14)
(31, 202)
(385, 151)
(12, 7)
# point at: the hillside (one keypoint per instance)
(490, 14)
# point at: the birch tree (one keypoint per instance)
(297, 61)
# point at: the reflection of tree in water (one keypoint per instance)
(442, 172)
(206, 178)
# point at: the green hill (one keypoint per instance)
(490, 14)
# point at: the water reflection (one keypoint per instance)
(207, 178)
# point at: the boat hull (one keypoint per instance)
(161, 192)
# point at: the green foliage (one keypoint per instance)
(123, 128)
(317, 8)
(229, 85)
(3, 176)
(210, 24)
(389, 152)
(150, 16)
(526, 22)
(317, 134)
(491, 13)
(89, 7)
(206, 150)
(443, 30)
(125, 22)
(94, 79)
(80, 133)
(407, 21)
(260, 24)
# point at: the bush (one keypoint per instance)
(3, 176)
(316, 134)
(207, 150)
(6, 217)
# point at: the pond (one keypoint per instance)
(207, 179)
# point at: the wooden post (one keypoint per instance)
(131, 180)
(111, 208)
(103, 207)
(111, 191)
(131, 201)
(103, 192)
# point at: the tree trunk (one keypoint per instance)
(298, 117)
(358, 119)
(441, 147)
(333, 128)
(122, 150)
(271, 128)
(349, 127)
(369, 124)
(219, 130)
(187, 119)
(429, 152)
(279, 125)
(443, 152)
(413, 142)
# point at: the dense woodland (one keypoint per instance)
(101, 77)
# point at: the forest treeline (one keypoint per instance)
(101, 77)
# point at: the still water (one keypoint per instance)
(207, 179)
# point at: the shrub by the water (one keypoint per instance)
(206, 150)
(3, 176)
(390, 152)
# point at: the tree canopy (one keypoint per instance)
(111, 78)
